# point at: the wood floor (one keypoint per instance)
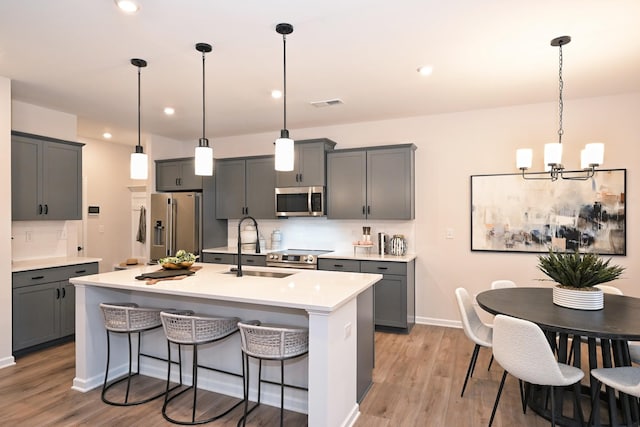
(417, 382)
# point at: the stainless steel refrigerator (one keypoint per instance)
(176, 219)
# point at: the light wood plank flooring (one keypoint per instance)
(417, 382)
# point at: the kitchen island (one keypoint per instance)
(323, 301)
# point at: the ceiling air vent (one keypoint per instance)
(327, 103)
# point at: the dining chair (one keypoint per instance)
(522, 349)
(476, 330)
(625, 379)
(501, 284)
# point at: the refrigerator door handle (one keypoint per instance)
(170, 226)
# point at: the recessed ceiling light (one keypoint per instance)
(128, 6)
(169, 111)
(276, 94)
(425, 70)
(107, 135)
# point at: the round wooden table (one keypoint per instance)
(617, 323)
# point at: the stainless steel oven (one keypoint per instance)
(300, 201)
(295, 258)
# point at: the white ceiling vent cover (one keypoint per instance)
(327, 103)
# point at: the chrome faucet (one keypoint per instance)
(239, 273)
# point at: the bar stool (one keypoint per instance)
(270, 342)
(194, 330)
(128, 318)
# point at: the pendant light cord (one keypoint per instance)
(561, 103)
(139, 107)
(284, 94)
(203, 99)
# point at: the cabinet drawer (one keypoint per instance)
(349, 265)
(259, 260)
(37, 277)
(218, 258)
(80, 270)
(384, 267)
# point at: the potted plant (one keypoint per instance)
(576, 275)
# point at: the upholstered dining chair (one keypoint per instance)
(501, 284)
(474, 329)
(625, 379)
(522, 349)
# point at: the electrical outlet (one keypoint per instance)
(101, 228)
(27, 236)
(347, 330)
(62, 234)
(449, 234)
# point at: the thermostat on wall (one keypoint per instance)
(94, 210)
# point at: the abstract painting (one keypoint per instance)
(512, 214)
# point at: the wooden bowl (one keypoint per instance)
(180, 266)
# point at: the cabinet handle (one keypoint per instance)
(301, 180)
(249, 261)
(363, 210)
(338, 265)
(37, 278)
(246, 210)
(58, 293)
(177, 182)
(368, 210)
(217, 258)
(46, 209)
(39, 209)
(80, 271)
(64, 292)
(383, 268)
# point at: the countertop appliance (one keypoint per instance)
(300, 201)
(175, 224)
(295, 258)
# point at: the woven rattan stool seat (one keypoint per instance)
(194, 329)
(272, 341)
(129, 317)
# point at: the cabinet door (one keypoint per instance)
(230, 189)
(26, 169)
(346, 185)
(36, 311)
(390, 184)
(167, 176)
(219, 258)
(311, 161)
(260, 189)
(62, 181)
(67, 309)
(188, 180)
(256, 260)
(390, 296)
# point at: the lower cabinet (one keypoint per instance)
(394, 295)
(44, 304)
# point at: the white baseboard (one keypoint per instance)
(7, 361)
(438, 322)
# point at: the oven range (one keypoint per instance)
(295, 258)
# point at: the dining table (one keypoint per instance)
(609, 329)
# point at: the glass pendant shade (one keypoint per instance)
(524, 158)
(284, 154)
(138, 167)
(552, 154)
(204, 161)
(594, 153)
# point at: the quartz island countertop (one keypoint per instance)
(303, 289)
(38, 263)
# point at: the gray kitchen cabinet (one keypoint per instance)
(214, 231)
(394, 295)
(309, 164)
(258, 260)
(44, 304)
(245, 186)
(46, 178)
(371, 183)
(177, 175)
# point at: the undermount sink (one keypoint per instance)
(260, 273)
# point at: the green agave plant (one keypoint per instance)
(576, 270)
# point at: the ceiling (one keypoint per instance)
(73, 56)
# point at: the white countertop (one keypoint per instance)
(315, 290)
(35, 264)
(360, 254)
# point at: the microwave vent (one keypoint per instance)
(327, 103)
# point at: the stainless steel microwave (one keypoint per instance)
(300, 201)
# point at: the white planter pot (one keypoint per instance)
(578, 299)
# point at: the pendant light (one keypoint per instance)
(591, 156)
(139, 168)
(204, 153)
(284, 144)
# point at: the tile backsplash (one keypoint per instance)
(43, 239)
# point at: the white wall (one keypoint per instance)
(451, 147)
(5, 224)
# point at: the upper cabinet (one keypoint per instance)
(46, 178)
(177, 175)
(245, 186)
(371, 183)
(308, 165)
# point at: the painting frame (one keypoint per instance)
(516, 215)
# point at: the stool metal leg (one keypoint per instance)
(194, 377)
(281, 393)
